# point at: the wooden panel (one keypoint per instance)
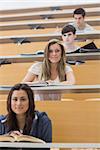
(72, 121)
(48, 36)
(69, 97)
(26, 31)
(13, 49)
(40, 21)
(33, 31)
(43, 24)
(48, 14)
(3, 105)
(80, 96)
(14, 73)
(88, 73)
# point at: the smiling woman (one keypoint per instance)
(19, 102)
(22, 119)
(52, 69)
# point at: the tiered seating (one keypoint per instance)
(45, 37)
(43, 24)
(32, 47)
(95, 11)
(86, 5)
(81, 121)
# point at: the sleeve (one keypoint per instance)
(89, 28)
(2, 128)
(45, 128)
(68, 69)
(35, 68)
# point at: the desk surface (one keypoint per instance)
(49, 145)
(43, 25)
(95, 11)
(46, 37)
(24, 58)
(4, 89)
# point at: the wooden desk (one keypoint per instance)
(61, 88)
(43, 25)
(48, 145)
(95, 11)
(46, 37)
(72, 121)
(24, 58)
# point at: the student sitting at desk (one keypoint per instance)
(68, 36)
(52, 69)
(79, 23)
(22, 117)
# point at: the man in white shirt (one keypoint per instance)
(79, 23)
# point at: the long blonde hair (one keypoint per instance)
(46, 67)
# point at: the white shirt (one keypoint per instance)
(86, 29)
(36, 69)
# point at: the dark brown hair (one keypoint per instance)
(68, 28)
(79, 11)
(11, 117)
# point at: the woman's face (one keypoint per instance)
(19, 102)
(55, 53)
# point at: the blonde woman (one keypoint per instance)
(52, 69)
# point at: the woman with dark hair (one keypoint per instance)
(22, 117)
(52, 69)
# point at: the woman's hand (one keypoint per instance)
(13, 133)
(50, 81)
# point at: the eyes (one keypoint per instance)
(78, 18)
(67, 35)
(56, 51)
(21, 99)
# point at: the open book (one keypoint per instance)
(20, 138)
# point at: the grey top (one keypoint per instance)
(86, 29)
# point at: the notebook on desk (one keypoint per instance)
(91, 47)
(88, 48)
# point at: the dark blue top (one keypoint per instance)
(41, 127)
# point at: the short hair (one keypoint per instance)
(80, 11)
(68, 28)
